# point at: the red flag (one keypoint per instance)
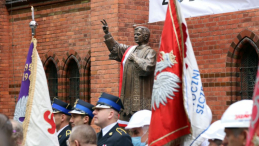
(169, 120)
(253, 136)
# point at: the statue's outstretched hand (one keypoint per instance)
(105, 27)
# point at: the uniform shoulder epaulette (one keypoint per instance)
(68, 132)
(121, 131)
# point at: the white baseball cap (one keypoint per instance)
(238, 115)
(215, 131)
(139, 119)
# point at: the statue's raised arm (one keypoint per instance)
(105, 26)
(138, 64)
(117, 50)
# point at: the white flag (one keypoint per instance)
(194, 98)
(194, 8)
(39, 126)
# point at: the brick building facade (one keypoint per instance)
(70, 44)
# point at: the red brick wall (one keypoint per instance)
(6, 102)
(63, 33)
(104, 72)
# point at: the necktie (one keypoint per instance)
(100, 135)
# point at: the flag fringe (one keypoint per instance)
(32, 79)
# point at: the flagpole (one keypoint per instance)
(33, 23)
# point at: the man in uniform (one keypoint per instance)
(106, 114)
(82, 113)
(62, 117)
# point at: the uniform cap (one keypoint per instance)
(81, 107)
(109, 101)
(139, 119)
(238, 115)
(59, 106)
(215, 131)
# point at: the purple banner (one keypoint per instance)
(20, 108)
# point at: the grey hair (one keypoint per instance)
(17, 135)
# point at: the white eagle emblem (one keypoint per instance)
(167, 60)
(20, 108)
(166, 83)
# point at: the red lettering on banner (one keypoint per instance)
(244, 116)
(50, 121)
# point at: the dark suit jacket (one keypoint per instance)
(115, 137)
(64, 135)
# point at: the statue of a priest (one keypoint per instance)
(137, 70)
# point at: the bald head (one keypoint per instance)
(84, 134)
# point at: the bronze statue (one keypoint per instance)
(138, 69)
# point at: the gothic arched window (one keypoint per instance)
(248, 70)
(52, 77)
(73, 80)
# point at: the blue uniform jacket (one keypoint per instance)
(115, 137)
(64, 135)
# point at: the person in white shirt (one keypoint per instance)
(105, 116)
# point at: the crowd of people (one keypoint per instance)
(73, 125)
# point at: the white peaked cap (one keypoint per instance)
(139, 119)
(238, 115)
(215, 131)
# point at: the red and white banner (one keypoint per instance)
(253, 136)
(178, 100)
(169, 120)
(122, 123)
(195, 8)
(38, 127)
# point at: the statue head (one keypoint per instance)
(141, 35)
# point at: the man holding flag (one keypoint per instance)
(33, 107)
(179, 110)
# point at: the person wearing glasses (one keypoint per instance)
(62, 117)
(106, 114)
(82, 113)
(82, 135)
